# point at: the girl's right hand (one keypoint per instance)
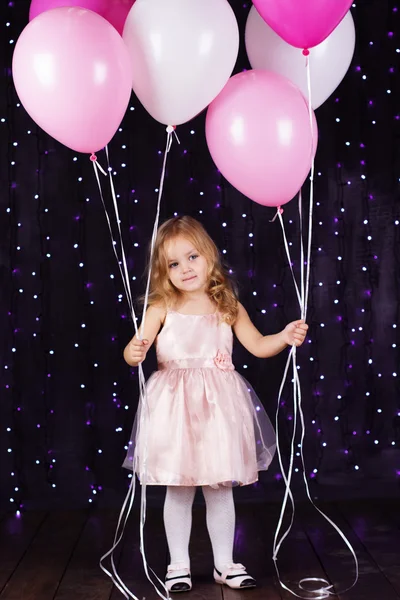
(137, 351)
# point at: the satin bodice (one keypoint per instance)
(195, 338)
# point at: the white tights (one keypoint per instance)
(220, 522)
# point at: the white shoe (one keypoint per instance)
(178, 578)
(234, 576)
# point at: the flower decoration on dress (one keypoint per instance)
(224, 361)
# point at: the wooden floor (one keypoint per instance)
(54, 556)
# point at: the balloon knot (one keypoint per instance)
(93, 158)
(171, 128)
(306, 52)
(279, 211)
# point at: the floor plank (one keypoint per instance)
(55, 556)
(38, 574)
(16, 535)
(337, 558)
(130, 568)
(253, 547)
(83, 578)
(380, 539)
(297, 558)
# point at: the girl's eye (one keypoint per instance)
(193, 256)
(173, 265)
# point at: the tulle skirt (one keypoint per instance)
(200, 426)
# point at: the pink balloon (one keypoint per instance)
(73, 74)
(303, 23)
(40, 6)
(116, 13)
(259, 136)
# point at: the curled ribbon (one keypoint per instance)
(323, 591)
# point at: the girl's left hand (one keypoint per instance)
(295, 333)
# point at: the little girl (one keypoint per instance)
(204, 425)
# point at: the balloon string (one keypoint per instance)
(324, 588)
(143, 405)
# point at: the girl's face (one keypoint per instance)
(187, 268)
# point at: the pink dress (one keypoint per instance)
(203, 424)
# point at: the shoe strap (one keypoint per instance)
(228, 571)
(181, 566)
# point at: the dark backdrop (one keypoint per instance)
(67, 399)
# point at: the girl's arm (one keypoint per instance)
(135, 352)
(265, 346)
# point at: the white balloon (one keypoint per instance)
(183, 53)
(329, 61)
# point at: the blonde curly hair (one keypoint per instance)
(221, 289)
